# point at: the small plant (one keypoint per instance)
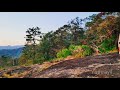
(63, 53)
(29, 62)
(87, 51)
(81, 51)
(72, 47)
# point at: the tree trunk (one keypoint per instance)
(13, 63)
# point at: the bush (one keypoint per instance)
(81, 51)
(63, 53)
(87, 51)
(107, 45)
(76, 51)
(72, 47)
(28, 63)
(39, 60)
(22, 60)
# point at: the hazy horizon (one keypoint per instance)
(11, 45)
(13, 25)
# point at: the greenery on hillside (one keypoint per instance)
(14, 53)
(93, 35)
(96, 34)
(7, 61)
(9, 57)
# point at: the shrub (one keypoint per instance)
(63, 53)
(22, 60)
(87, 51)
(39, 60)
(107, 45)
(76, 51)
(82, 51)
(72, 47)
(29, 62)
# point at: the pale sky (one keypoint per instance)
(13, 25)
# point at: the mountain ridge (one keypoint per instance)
(11, 47)
(14, 52)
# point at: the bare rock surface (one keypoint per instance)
(100, 66)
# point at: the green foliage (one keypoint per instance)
(87, 51)
(6, 61)
(107, 45)
(72, 47)
(33, 35)
(100, 32)
(29, 62)
(39, 60)
(77, 51)
(81, 50)
(22, 60)
(63, 53)
(73, 39)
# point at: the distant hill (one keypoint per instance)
(12, 51)
(11, 47)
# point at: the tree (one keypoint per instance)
(6, 61)
(33, 35)
(100, 30)
(63, 37)
(46, 46)
(76, 30)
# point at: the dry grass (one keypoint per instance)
(113, 51)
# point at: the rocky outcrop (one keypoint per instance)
(100, 66)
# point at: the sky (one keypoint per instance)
(13, 25)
